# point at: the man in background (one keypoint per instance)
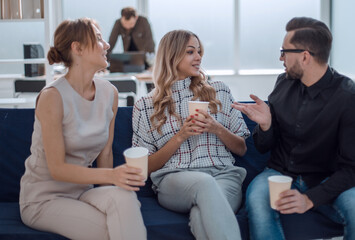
(135, 31)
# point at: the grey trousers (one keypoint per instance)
(100, 213)
(211, 195)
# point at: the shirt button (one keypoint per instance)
(292, 162)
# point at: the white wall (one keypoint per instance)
(242, 86)
(13, 36)
(343, 37)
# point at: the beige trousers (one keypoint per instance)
(100, 213)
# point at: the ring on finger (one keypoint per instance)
(127, 182)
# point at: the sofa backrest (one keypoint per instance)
(123, 140)
(253, 161)
(16, 126)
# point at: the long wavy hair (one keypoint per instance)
(171, 51)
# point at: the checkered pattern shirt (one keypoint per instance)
(199, 151)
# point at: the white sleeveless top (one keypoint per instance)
(85, 130)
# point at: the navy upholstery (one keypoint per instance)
(16, 126)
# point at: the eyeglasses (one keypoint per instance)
(283, 51)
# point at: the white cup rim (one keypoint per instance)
(280, 179)
(136, 152)
(203, 102)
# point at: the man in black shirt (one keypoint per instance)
(309, 126)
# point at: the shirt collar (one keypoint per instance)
(322, 84)
(181, 84)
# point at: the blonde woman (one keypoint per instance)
(74, 125)
(190, 159)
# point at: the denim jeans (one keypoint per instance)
(264, 222)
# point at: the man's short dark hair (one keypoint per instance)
(312, 35)
(128, 12)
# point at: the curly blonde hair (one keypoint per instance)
(171, 51)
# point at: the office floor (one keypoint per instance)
(336, 238)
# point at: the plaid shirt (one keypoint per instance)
(199, 151)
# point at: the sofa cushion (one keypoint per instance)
(310, 225)
(13, 228)
(160, 223)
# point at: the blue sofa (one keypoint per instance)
(16, 127)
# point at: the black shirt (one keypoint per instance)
(132, 46)
(313, 134)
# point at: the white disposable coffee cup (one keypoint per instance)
(278, 184)
(137, 157)
(193, 105)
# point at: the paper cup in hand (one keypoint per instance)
(278, 184)
(193, 105)
(137, 157)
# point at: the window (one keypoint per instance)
(343, 37)
(212, 21)
(262, 29)
(238, 35)
(104, 12)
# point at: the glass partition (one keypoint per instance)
(212, 21)
(262, 29)
(343, 52)
(104, 12)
